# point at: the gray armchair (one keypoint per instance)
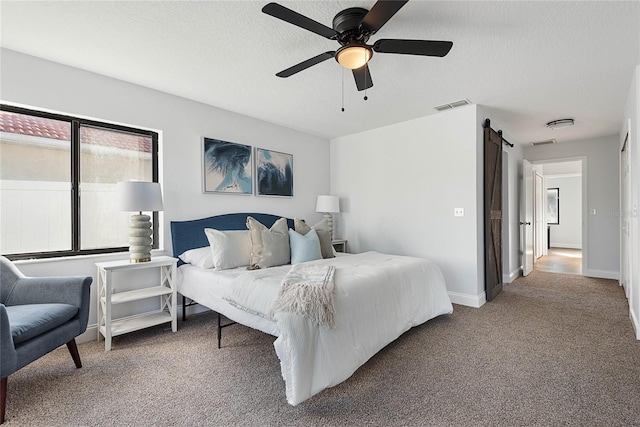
(38, 315)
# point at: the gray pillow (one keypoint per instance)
(269, 247)
(322, 228)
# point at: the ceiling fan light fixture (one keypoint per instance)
(353, 56)
(559, 124)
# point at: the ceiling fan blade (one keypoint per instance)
(288, 15)
(306, 64)
(413, 47)
(380, 13)
(363, 77)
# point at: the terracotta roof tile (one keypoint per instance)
(60, 130)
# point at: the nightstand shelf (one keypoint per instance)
(339, 245)
(128, 296)
(164, 290)
(135, 323)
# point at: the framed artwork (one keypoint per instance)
(274, 173)
(553, 206)
(226, 167)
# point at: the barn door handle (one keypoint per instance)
(523, 223)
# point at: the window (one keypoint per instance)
(44, 158)
(553, 206)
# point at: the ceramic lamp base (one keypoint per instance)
(329, 219)
(140, 241)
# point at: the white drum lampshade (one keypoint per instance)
(328, 205)
(137, 196)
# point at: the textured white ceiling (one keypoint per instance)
(529, 62)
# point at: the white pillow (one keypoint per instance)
(200, 257)
(304, 247)
(229, 249)
(269, 247)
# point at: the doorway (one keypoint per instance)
(559, 232)
(560, 260)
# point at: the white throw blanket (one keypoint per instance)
(308, 289)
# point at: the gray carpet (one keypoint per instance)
(551, 349)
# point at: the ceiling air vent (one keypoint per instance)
(454, 104)
(547, 142)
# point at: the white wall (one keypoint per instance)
(182, 123)
(567, 234)
(399, 186)
(602, 242)
(631, 124)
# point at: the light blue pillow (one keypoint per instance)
(304, 247)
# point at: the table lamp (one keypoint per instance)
(328, 205)
(137, 196)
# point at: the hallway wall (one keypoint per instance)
(601, 244)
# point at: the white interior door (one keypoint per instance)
(625, 218)
(526, 218)
(539, 208)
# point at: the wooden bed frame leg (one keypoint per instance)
(184, 308)
(219, 330)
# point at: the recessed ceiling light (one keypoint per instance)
(559, 124)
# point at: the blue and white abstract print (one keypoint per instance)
(274, 173)
(227, 167)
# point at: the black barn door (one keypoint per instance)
(492, 212)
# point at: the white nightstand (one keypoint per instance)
(339, 245)
(165, 289)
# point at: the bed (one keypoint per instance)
(374, 299)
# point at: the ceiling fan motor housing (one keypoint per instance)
(347, 24)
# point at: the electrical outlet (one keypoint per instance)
(458, 212)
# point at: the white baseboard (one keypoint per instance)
(565, 246)
(635, 322)
(508, 278)
(603, 274)
(475, 301)
(91, 334)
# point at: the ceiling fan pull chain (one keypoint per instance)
(365, 82)
(343, 90)
(366, 71)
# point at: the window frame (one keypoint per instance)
(555, 191)
(76, 123)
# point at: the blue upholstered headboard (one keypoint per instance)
(187, 235)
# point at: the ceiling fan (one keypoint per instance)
(352, 28)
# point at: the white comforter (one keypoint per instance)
(377, 298)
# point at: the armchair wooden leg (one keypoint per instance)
(3, 398)
(73, 349)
